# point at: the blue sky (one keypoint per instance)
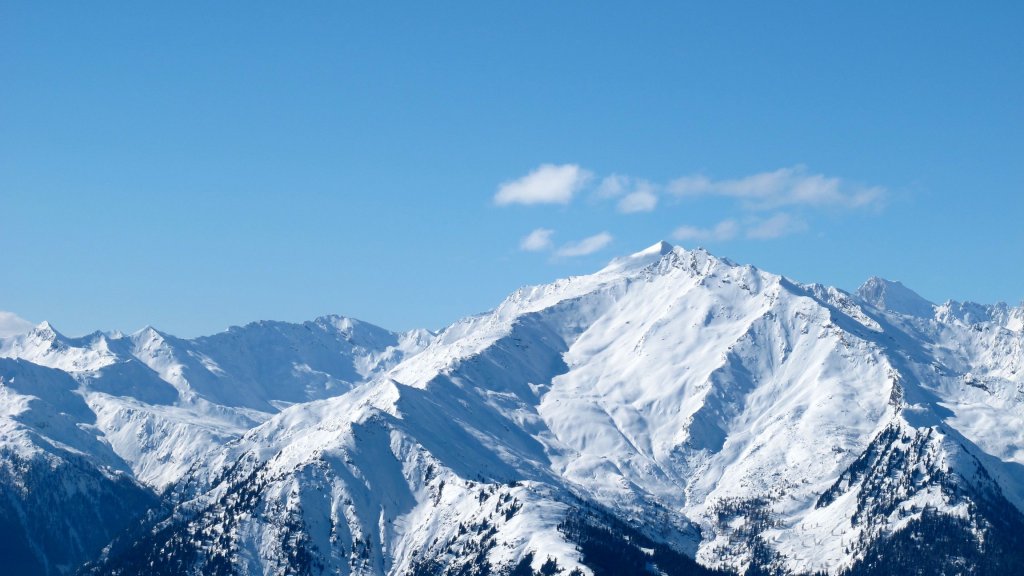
(197, 165)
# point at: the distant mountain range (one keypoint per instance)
(673, 413)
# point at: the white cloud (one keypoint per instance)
(637, 195)
(775, 227)
(612, 186)
(793, 186)
(548, 184)
(642, 199)
(766, 205)
(12, 324)
(537, 241)
(724, 230)
(690, 186)
(588, 245)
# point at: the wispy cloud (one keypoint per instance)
(724, 230)
(793, 186)
(537, 241)
(643, 199)
(12, 324)
(761, 206)
(586, 246)
(612, 186)
(548, 184)
(753, 227)
(776, 226)
(635, 194)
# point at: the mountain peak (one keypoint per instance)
(148, 334)
(643, 258)
(148, 330)
(659, 248)
(45, 331)
(659, 394)
(339, 322)
(893, 296)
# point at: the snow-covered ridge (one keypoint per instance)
(164, 402)
(729, 414)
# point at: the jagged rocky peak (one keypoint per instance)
(663, 257)
(1015, 321)
(42, 333)
(45, 329)
(893, 296)
(972, 313)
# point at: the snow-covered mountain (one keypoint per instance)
(672, 413)
(164, 402)
(64, 493)
(87, 421)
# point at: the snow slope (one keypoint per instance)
(64, 493)
(672, 406)
(163, 402)
(737, 416)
